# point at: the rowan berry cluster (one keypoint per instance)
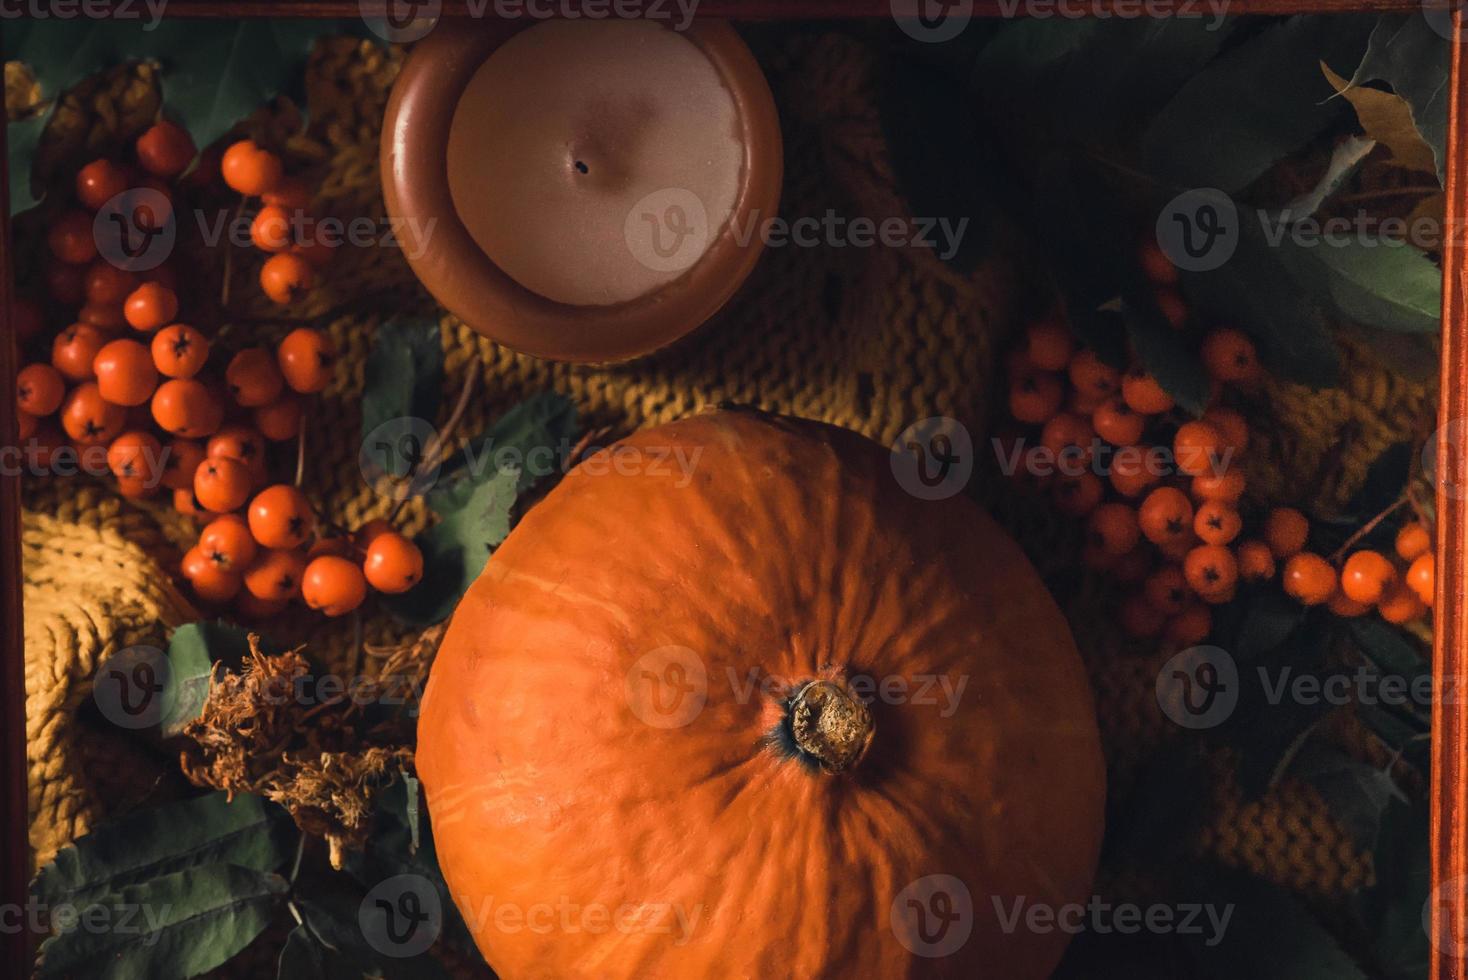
(131, 389)
(1163, 512)
(257, 174)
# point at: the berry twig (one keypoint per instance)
(1367, 528)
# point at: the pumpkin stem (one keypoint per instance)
(830, 725)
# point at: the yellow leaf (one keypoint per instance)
(1387, 119)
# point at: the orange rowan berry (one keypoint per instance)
(1216, 522)
(227, 543)
(281, 517)
(253, 378)
(39, 389)
(1113, 528)
(1172, 306)
(1211, 570)
(1034, 398)
(1412, 540)
(210, 582)
(107, 285)
(125, 373)
(74, 350)
(333, 585)
(134, 455)
(1400, 605)
(249, 169)
(394, 564)
(1232, 429)
(1049, 345)
(280, 420)
(181, 462)
(1225, 488)
(285, 277)
(1140, 619)
(275, 573)
(165, 150)
(1078, 495)
(1155, 264)
(137, 487)
(1286, 530)
(222, 484)
(1189, 627)
(1142, 392)
(98, 182)
(150, 306)
(1421, 577)
(1070, 438)
(1366, 576)
(1344, 606)
(243, 444)
(1115, 422)
(179, 351)
(1166, 516)
(71, 239)
(306, 358)
(26, 424)
(1256, 561)
(1309, 578)
(186, 407)
(1197, 448)
(105, 317)
(1132, 471)
(1229, 355)
(1167, 589)
(1093, 376)
(185, 504)
(88, 418)
(271, 229)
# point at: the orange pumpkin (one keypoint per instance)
(728, 702)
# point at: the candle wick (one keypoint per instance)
(581, 167)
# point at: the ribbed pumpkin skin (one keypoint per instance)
(792, 554)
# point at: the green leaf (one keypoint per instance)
(402, 388)
(1356, 794)
(331, 916)
(1378, 282)
(534, 433)
(1392, 908)
(1165, 354)
(218, 72)
(1407, 53)
(302, 957)
(1344, 161)
(390, 852)
(1268, 621)
(455, 550)
(179, 925)
(1254, 290)
(1253, 105)
(192, 652)
(148, 843)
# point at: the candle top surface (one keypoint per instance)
(595, 161)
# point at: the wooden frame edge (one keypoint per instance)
(1448, 925)
(1448, 912)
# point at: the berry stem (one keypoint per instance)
(1368, 527)
(440, 438)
